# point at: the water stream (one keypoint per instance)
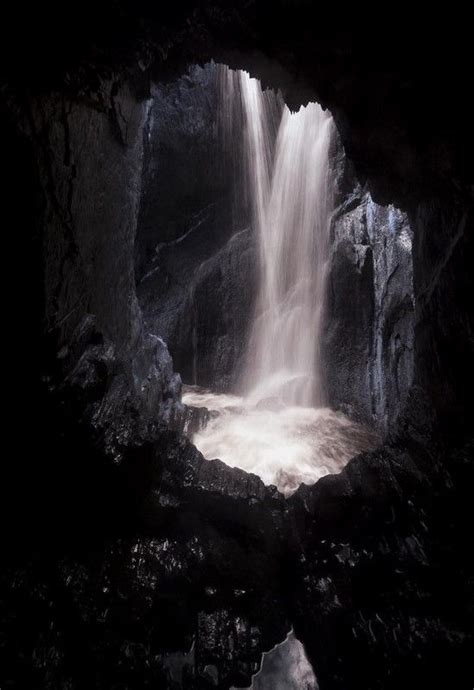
(280, 426)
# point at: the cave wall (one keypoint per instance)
(185, 178)
(442, 256)
(369, 337)
(195, 251)
(89, 153)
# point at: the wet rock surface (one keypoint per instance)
(191, 567)
(195, 252)
(370, 567)
(186, 175)
(392, 577)
(205, 309)
(369, 339)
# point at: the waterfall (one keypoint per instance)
(279, 429)
(288, 189)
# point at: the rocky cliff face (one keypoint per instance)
(186, 177)
(90, 166)
(196, 254)
(369, 338)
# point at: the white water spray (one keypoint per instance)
(291, 215)
(279, 429)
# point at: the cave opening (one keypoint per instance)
(284, 293)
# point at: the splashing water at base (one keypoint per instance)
(284, 445)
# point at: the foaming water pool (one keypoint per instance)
(284, 445)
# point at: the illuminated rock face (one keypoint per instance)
(368, 344)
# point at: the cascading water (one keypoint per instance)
(292, 217)
(278, 428)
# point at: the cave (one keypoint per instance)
(238, 353)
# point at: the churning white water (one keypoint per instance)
(285, 445)
(279, 429)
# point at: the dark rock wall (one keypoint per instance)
(211, 333)
(393, 583)
(185, 176)
(90, 161)
(369, 338)
(442, 257)
(195, 252)
(124, 609)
